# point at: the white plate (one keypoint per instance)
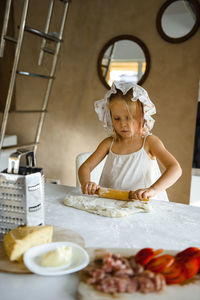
(32, 258)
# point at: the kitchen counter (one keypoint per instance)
(171, 226)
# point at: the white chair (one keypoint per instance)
(95, 174)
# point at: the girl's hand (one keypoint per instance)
(142, 193)
(89, 188)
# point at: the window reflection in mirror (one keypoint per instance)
(124, 58)
(178, 20)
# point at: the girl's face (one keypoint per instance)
(126, 118)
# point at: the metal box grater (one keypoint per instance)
(21, 193)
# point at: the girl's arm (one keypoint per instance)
(172, 172)
(86, 168)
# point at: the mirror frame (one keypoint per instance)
(119, 38)
(185, 37)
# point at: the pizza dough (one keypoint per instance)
(106, 207)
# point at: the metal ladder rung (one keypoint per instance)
(104, 66)
(27, 111)
(10, 39)
(19, 146)
(48, 50)
(35, 75)
(42, 34)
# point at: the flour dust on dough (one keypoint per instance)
(106, 207)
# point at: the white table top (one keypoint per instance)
(170, 226)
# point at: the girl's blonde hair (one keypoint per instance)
(127, 99)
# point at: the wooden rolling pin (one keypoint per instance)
(115, 194)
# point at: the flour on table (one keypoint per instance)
(106, 207)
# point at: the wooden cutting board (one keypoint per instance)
(59, 235)
(191, 290)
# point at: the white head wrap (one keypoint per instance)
(139, 93)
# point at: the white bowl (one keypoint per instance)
(33, 256)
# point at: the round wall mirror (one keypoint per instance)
(178, 20)
(123, 58)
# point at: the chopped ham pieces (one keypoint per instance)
(115, 274)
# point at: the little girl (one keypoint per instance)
(132, 151)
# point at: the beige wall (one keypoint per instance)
(71, 125)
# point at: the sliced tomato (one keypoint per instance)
(146, 254)
(190, 267)
(189, 252)
(179, 279)
(197, 256)
(174, 273)
(181, 270)
(158, 264)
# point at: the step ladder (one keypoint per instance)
(45, 35)
(105, 66)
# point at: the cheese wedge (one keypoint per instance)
(20, 239)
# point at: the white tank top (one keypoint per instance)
(131, 171)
